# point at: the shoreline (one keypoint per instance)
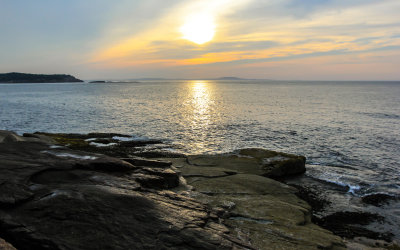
(187, 177)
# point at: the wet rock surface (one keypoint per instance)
(254, 161)
(107, 191)
(58, 198)
(261, 211)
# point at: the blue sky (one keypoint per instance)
(285, 39)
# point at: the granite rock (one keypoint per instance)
(255, 161)
(264, 212)
(58, 198)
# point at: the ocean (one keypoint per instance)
(349, 131)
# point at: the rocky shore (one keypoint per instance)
(108, 191)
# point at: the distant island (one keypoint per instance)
(103, 81)
(229, 78)
(97, 82)
(35, 78)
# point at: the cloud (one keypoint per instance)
(139, 37)
(164, 31)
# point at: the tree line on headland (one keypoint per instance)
(36, 78)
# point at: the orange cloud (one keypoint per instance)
(162, 45)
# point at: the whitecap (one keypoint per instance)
(69, 155)
(353, 189)
(140, 138)
(102, 144)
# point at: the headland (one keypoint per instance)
(36, 78)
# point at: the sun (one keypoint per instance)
(199, 28)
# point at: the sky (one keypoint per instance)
(262, 39)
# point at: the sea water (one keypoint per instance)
(349, 131)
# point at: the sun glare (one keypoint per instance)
(199, 28)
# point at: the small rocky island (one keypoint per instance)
(97, 81)
(35, 78)
(108, 191)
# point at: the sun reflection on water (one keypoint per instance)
(201, 99)
(201, 105)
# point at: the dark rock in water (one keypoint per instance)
(352, 218)
(59, 137)
(100, 135)
(58, 198)
(311, 197)
(342, 213)
(35, 78)
(138, 143)
(378, 199)
(158, 154)
(349, 225)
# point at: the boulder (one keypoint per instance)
(378, 199)
(276, 164)
(254, 161)
(168, 178)
(349, 225)
(8, 136)
(40, 137)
